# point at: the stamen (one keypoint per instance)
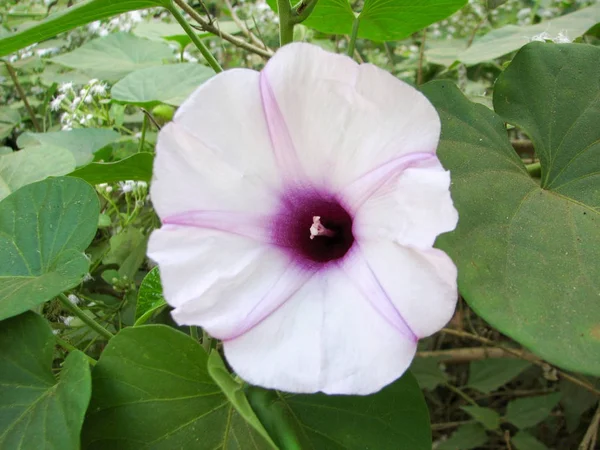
(318, 229)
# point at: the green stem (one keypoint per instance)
(206, 341)
(286, 22)
(69, 347)
(535, 169)
(15, 79)
(210, 59)
(353, 36)
(302, 10)
(461, 394)
(143, 137)
(84, 317)
(194, 332)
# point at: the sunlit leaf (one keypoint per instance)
(150, 297)
(136, 167)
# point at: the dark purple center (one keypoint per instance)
(292, 227)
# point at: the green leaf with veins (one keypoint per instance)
(136, 167)
(394, 418)
(152, 389)
(116, 55)
(18, 169)
(379, 20)
(44, 229)
(150, 297)
(527, 255)
(82, 143)
(170, 84)
(38, 411)
(73, 17)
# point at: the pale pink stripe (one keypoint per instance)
(257, 227)
(281, 141)
(361, 274)
(361, 189)
(286, 286)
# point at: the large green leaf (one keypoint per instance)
(9, 119)
(152, 389)
(528, 412)
(18, 169)
(170, 84)
(510, 38)
(136, 167)
(528, 255)
(150, 297)
(36, 410)
(80, 14)
(82, 143)
(114, 56)
(44, 229)
(394, 418)
(379, 20)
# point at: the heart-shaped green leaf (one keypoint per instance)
(114, 56)
(83, 12)
(38, 411)
(528, 255)
(170, 84)
(152, 389)
(44, 229)
(394, 418)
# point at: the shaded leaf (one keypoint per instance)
(525, 441)
(44, 229)
(528, 412)
(466, 437)
(485, 416)
(427, 372)
(488, 375)
(39, 412)
(152, 389)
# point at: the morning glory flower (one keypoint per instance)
(299, 209)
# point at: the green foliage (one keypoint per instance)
(527, 253)
(489, 418)
(152, 388)
(39, 411)
(524, 441)
(81, 14)
(135, 167)
(8, 119)
(44, 229)
(150, 297)
(465, 437)
(114, 56)
(528, 412)
(489, 374)
(395, 418)
(170, 84)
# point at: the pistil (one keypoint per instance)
(318, 229)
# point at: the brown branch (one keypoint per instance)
(242, 26)
(591, 435)
(461, 355)
(15, 79)
(520, 353)
(207, 26)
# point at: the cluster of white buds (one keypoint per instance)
(80, 106)
(560, 38)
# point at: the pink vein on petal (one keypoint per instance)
(253, 226)
(360, 272)
(290, 281)
(361, 189)
(281, 141)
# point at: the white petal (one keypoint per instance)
(359, 117)
(420, 283)
(412, 208)
(216, 154)
(220, 281)
(188, 176)
(327, 337)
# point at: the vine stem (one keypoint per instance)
(286, 24)
(15, 79)
(69, 347)
(526, 356)
(208, 26)
(210, 59)
(85, 318)
(352, 42)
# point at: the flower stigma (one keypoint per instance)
(318, 229)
